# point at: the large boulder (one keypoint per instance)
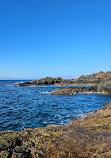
(104, 86)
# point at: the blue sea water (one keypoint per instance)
(34, 106)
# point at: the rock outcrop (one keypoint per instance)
(93, 79)
(104, 87)
(86, 138)
(43, 81)
(73, 90)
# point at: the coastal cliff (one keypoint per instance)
(86, 138)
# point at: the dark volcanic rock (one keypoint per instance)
(43, 81)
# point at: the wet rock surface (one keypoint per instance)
(86, 138)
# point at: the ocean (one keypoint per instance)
(34, 106)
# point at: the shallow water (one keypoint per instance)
(34, 106)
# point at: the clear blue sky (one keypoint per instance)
(65, 38)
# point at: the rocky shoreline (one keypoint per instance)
(43, 81)
(73, 90)
(86, 138)
(103, 87)
(92, 79)
(101, 82)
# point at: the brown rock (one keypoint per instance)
(43, 81)
(73, 90)
(86, 138)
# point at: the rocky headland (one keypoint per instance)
(73, 90)
(101, 82)
(92, 79)
(43, 81)
(86, 138)
(103, 87)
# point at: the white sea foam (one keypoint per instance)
(15, 84)
(8, 85)
(32, 86)
(90, 112)
(45, 92)
(40, 86)
(81, 115)
(18, 82)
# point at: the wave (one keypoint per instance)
(90, 112)
(45, 85)
(8, 85)
(45, 92)
(82, 115)
(13, 84)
